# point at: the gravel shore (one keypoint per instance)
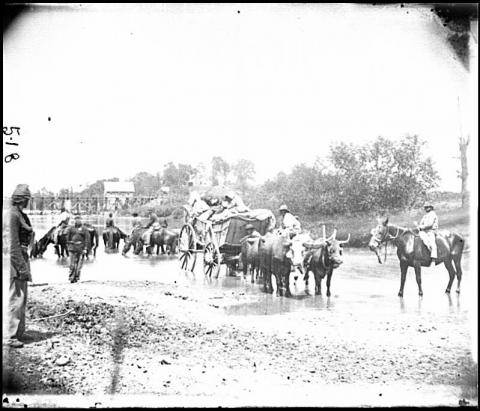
(138, 337)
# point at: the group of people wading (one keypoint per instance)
(20, 234)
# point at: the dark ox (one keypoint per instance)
(413, 253)
(321, 258)
(279, 255)
(250, 257)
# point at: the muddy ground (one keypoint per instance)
(141, 337)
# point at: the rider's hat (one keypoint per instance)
(428, 204)
(283, 207)
(249, 227)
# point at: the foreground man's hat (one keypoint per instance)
(284, 208)
(21, 193)
(428, 205)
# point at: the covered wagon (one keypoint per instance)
(219, 240)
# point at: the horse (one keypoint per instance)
(134, 239)
(93, 239)
(60, 246)
(412, 252)
(112, 236)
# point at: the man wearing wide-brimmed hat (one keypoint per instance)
(20, 235)
(289, 223)
(428, 227)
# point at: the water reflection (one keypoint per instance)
(419, 304)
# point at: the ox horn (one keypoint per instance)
(332, 237)
(345, 241)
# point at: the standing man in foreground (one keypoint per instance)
(20, 235)
(78, 240)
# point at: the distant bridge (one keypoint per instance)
(88, 205)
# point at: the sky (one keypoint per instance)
(106, 91)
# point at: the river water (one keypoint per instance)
(360, 284)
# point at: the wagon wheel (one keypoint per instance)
(211, 260)
(187, 244)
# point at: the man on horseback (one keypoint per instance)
(110, 228)
(427, 229)
(109, 221)
(153, 224)
(78, 240)
(63, 221)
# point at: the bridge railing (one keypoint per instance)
(89, 205)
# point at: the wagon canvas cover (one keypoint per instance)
(260, 219)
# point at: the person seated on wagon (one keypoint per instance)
(427, 229)
(234, 203)
(198, 208)
(289, 224)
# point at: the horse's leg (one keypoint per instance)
(403, 276)
(418, 276)
(451, 274)
(458, 268)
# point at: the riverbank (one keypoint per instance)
(179, 347)
(451, 217)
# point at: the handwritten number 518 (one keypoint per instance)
(7, 132)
